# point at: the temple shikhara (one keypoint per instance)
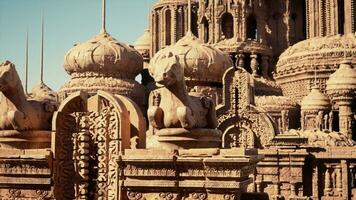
(239, 100)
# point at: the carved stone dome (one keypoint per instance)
(316, 100)
(103, 55)
(297, 66)
(103, 63)
(323, 51)
(202, 63)
(343, 81)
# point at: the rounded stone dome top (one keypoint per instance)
(103, 55)
(201, 62)
(342, 81)
(316, 100)
(320, 51)
(144, 41)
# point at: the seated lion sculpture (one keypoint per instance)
(16, 111)
(172, 111)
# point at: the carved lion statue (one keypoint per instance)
(170, 106)
(16, 111)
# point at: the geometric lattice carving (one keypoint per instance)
(242, 124)
(89, 134)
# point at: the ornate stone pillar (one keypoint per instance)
(302, 120)
(315, 180)
(307, 18)
(254, 64)
(217, 29)
(327, 181)
(345, 115)
(174, 24)
(345, 180)
(265, 66)
(338, 181)
(162, 28)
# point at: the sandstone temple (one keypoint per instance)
(239, 100)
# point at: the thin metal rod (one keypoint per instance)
(103, 17)
(42, 41)
(26, 64)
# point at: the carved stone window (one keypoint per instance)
(227, 25)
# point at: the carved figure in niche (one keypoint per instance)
(171, 106)
(16, 112)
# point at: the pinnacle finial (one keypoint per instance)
(103, 17)
(42, 36)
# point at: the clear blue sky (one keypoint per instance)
(66, 22)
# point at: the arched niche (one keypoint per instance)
(251, 27)
(227, 25)
(242, 124)
(89, 134)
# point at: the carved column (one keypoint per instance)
(321, 17)
(338, 181)
(345, 117)
(174, 24)
(162, 28)
(243, 21)
(307, 18)
(217, 29)
(254, 64)
(302, 120)
(348, 16)
(331, 119)
(287, 22)
(315, 180)
(327, 181)
(265, 66)
(345, 180)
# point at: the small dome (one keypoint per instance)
(103, 55)
(316, 100)
(317, 51)
(143, 43)
(42, 92)
(201, 62)
(343, 81)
